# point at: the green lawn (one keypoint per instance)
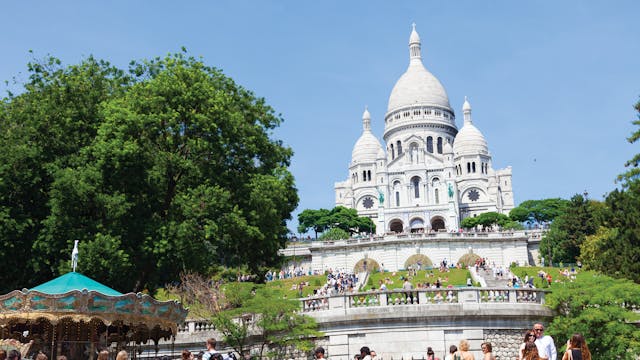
(557, 275)
(289, 286)
(394, 280)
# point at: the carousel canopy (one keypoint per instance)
(74, 281)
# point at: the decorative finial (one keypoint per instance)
(414, 25)
(74, 256)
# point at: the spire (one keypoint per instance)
(414, 46)
(466, 110)
(366, 120)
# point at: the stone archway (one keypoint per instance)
(437, 223)
(369, 264)
(418, 259)
(416, 225)
(469, 259)
(396, 226)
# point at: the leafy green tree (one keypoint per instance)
(602, 310)
(313, 219)
(568, 231)
(469, 222)
(338, 217)
(633, 173)
(173, 165)
(615, 249)
(538, 211)
(42, 133)
(249, 314)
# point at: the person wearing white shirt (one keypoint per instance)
(544, 343)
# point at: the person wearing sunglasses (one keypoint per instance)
(529, 337)
(545, 344)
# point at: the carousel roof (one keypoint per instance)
(74, 281)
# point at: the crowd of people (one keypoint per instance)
(535, 346)
(16, 355)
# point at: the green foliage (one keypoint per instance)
(600, 308)
(489, 219)
(334, 234)
(568, 231)
(281, 326)
(538, 211)
(455, 277)
(615, 248)
(633, 172)
(338, 217)
(170, 168)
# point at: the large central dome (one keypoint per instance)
(417, 86)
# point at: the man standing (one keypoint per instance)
(211, 349)
(319, 353)
(546, 346)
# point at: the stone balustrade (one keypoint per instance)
(419, 297)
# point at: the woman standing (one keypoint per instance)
(577, 349)
(530, 352)
(487, 350)
(464, 351)
(529, 337)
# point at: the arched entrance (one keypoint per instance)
(417, 225)
(396, 226)
(366, 264)
(437, 223)
(421, 260)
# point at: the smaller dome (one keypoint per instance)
(469, 140)
(367, 148)
(381, 154)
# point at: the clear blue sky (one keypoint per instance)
(552, 83)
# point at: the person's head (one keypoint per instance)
(538, 328)
(357, 357)
(103, 355)
(430, 351)
(3, 354)
(319, 352)
(14, 355)
(365, 351)
(529, 336)
(486, 347)
(211, 344)
(186, 355)
(41, 356)
(373, 354)
(530, 351)
(464, 345)
(453, 349)
(62, 357)
(577, 341)
(122, 355)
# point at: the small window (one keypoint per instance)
(430, 144)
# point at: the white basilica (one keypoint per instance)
(429, 175)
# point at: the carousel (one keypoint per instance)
(76, 316)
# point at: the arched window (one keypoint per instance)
(436, 196)
(397, 198)
(364, 175)
(473, 166)
(396, 189)
(468, 168)
(439, 145)
(415, 181)
(393, 154)
(399, 147)
(430, 144)
(369, 175)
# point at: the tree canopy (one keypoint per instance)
(633, 172)
(339, 217)
(602, 310)
(538, 211)
(169, 166)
